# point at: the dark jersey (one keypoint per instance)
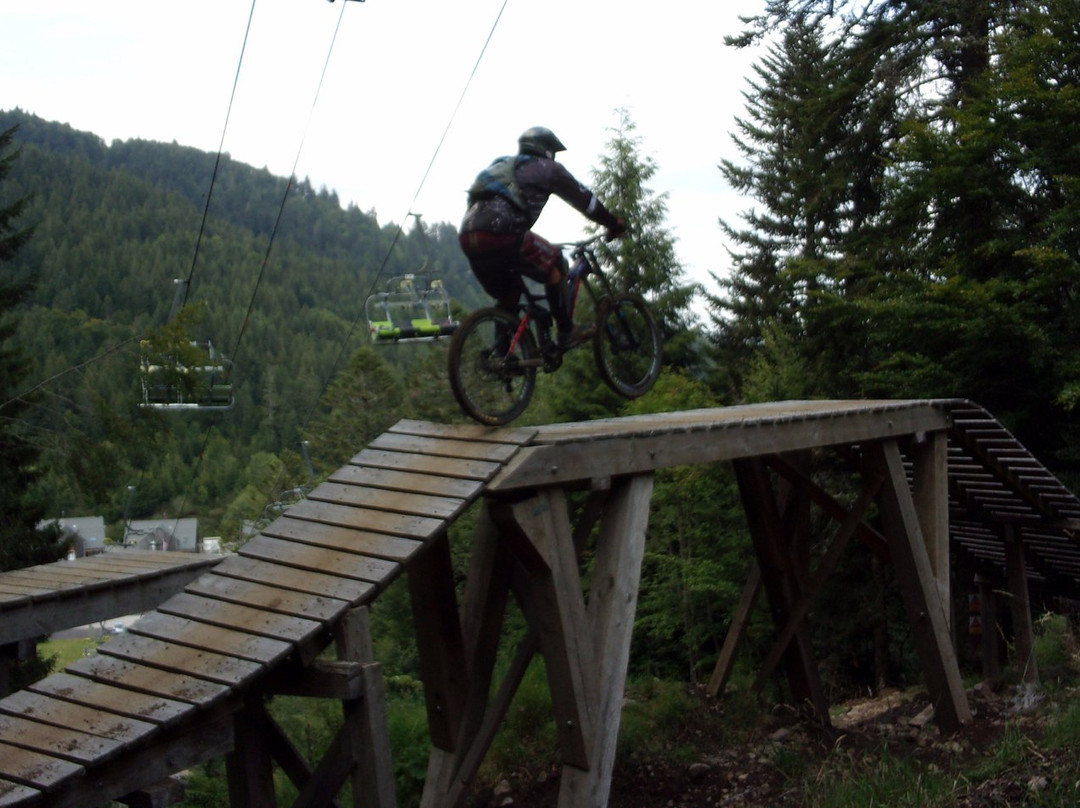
(537, 178)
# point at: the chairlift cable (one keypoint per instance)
(198, 239)
(400, 229)
(419, 189)
(217, 161)
(266, 255)
(288, 188)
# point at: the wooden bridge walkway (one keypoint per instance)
(188, 681)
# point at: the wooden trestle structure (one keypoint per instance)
(190, 680)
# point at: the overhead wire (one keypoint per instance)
(270, 241)
(198, 239)
(217, 161)
(423, 180)
(398, 233)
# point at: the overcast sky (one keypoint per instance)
(165, 70)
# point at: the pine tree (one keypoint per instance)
(21, 544)
(818, 126)
(645, 260)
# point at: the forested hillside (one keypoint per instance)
(115, 226)
(912, 179)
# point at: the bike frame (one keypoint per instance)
(532, 307)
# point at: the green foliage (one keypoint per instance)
(113, 226)
(644, 261)
(883, 779)
(654, 722)
(410, 747)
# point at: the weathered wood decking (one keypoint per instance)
(185, 683)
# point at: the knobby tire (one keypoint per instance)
(627, 345)
(486, 377)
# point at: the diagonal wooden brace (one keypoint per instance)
(918, 586)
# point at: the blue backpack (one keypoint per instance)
(499, 179)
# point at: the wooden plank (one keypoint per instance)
(35, 770)
(406, 481)
(628, 447)
(480, 470)
(183, 659)
(234, 615)
(514, 435)
(61, 578)
(82, 606)
(223, 640)
(345, 565)
(58, 742)
(23, 590)
(271, 598)
(444, 447)
(51, 710)
(145, 679)
(392, 548)
(299, 580)
(12, 794)
(107, 698)
(395, 524)
(384, 499)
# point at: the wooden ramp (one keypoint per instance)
(38, 601)
(188, 682)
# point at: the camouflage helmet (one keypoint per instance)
(540, 142)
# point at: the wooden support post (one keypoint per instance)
(828, 563)
(918, 587)
(439, 641)
(1023, 628)
(612, 606)
(365, 718)
(989, 640)
(780, 582)
(739, 622)
(483, 608)
(930, 491)
(249, 765)
(553, 602)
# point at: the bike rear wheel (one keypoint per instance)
(491, 379)
(627, 345)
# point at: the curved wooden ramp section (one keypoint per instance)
(189, 681)
(164, 695)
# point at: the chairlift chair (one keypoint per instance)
(169, 384)
(411, 308)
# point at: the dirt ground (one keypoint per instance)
(768, 766)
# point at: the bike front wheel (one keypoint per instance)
(627, 345)
(492, 374)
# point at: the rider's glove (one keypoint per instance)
(615, 230)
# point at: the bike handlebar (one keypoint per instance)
(577, 245)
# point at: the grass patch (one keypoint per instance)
(883, 780)
(66, 651)
(1010, 751)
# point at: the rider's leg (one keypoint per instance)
(544, 262)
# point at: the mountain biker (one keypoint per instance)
(504, 202)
